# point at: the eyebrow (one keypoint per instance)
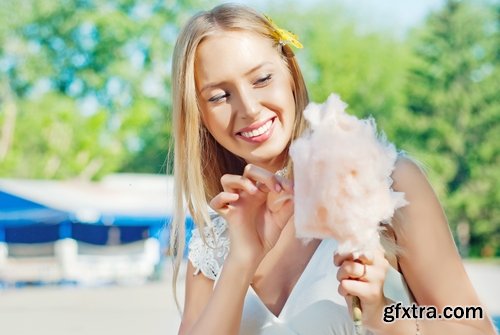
(211, 85)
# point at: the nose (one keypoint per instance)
(248, 105)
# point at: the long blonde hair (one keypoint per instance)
(199, 161)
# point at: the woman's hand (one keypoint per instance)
(257, 206)
(364, 277)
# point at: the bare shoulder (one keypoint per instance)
(422, 223)
(408, 175)
(424, 208)
(430, 262)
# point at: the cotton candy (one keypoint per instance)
(342, 178)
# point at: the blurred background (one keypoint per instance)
(85, 128)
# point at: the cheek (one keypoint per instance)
(287, 102)
(281, 96)
(217, 122)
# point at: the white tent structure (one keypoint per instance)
(112, 232)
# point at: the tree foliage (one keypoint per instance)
(85, 90)
(365, 68)
(434, 94)
(454, 113)
(85, 85)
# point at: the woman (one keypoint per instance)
(238, 97)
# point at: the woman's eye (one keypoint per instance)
(218, 97)
(263, 80)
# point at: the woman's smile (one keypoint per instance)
(259, 132)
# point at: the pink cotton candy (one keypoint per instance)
(342, 178)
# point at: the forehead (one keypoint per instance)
(232, 53)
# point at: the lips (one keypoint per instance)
(258, 132)
(257, 128)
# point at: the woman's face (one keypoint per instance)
(245, 95)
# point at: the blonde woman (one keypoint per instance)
(238, 97)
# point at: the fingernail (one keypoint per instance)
(277, 188)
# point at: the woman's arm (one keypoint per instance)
(254, 226)
(209, 310)
(198, 290)
(429, 261)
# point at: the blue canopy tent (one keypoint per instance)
(122, 229)
(85, 231)
(120, 209)
(25, 221)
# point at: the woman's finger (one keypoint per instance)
(275, 203)
(222, 200)
(353, 270)
(365, 291)
(285, 183)
(364, 258)
(234, 183)
(263, 178)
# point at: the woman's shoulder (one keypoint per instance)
(409, 177)
(407, 170)
(423, 210)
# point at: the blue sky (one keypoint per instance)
(394, 15)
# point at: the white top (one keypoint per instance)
(314, 305)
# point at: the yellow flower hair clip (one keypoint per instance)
(284, 36)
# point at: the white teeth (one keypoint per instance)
(261, 130)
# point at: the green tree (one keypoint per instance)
(453, 125)
(366, 68)
(85, 85)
